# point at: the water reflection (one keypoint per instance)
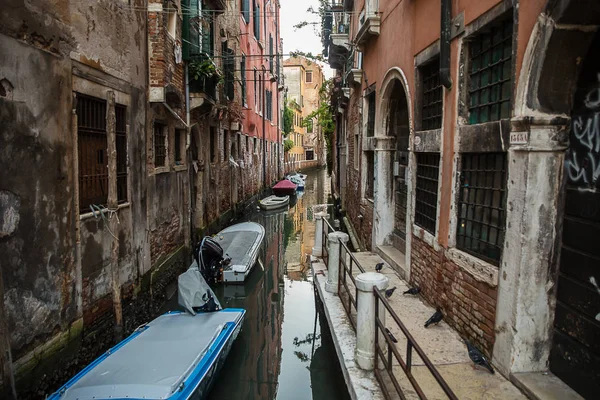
(280, 353)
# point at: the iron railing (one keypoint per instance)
(326, 230)
(348, 299)
(392, 352)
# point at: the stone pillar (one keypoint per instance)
(383, 209)
(527, 281)
(317, 249)
(365, 317)
(333, 266)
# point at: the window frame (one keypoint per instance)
(467, 196)
(160, 150)
(426, 195)
(505, 66)
(309, 73)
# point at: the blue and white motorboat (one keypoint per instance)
(175, 357)
(296, 179)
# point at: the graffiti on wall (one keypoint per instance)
(583, 159)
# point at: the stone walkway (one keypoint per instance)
(441, 344)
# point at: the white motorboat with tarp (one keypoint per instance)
(174, 357)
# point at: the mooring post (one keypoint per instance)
(333, 264)
(317, 249)
(366, 328)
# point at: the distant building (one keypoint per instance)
(304, 79)
(467, 156)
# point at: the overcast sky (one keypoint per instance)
(306, 39)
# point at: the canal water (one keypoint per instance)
(284, 350)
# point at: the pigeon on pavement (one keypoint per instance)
(378, 267)
(391, 336)
(477, 357)
(435, 318)
(390, 292)
(413, 290)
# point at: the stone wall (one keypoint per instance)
(468, 305)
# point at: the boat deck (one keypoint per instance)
(154, 362)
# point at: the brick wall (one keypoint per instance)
(469, 306)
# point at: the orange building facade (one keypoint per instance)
(461, 130)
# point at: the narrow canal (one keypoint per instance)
(284, 350)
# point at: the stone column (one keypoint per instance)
(333, 266)
(527, 281)
(365, 317)
(317, 249)
(383, 209)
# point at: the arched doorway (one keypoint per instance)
(398, 127)
(548, 305)
(575, 353)
(391, 141)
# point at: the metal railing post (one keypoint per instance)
(333, 264)
(366, 326)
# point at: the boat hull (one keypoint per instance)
(274, 202)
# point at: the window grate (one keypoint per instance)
(428, 167)
(431, 100)
(481, 207)
(160, 149)
(93, 152)
(371, 116)
(121, 142)
(370, 184)
(490, 74)
(178, 158)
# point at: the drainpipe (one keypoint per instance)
(277, 90)
(445, 44)
(188, 150)
(262, 77)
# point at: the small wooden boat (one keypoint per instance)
(274, 202)
(230, 255)
(285, 187)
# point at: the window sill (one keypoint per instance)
(485, 137)
(160, 170)
(88, 215)
(478, 269)
(425, 236)
(178, 168)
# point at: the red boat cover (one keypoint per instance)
(285, 184)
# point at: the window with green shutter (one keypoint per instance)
(246, 10)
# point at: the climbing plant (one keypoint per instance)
(288, 119)
(287, 145)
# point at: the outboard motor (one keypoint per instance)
(209, 256)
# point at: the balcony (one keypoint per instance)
(355, 76)
(204, 78)
(369, 27)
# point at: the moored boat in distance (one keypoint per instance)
(285, 187)
(274, 202)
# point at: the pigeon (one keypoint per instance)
(413, 290)
(378, 267)
(391, 336)
(435, 318)
(390, 292)
(478, 358)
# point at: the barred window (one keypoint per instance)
(160, 148)
(92, 152)
(178, 152)
(481, 207)
(121, 142)
(431, 97)
(490, 73)
(243, 75)
(370, 184)
(213, 145)
(428, 167)
(371, 115)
